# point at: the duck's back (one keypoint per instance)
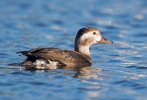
(68, 58)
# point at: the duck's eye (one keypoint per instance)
(94, 33)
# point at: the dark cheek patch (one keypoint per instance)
(86, 42)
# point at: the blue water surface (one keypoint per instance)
(26, 24)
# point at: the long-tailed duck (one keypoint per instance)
(53, 58)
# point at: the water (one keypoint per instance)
(52, 23)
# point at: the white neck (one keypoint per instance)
(84, 50)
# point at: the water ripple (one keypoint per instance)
(52, 23)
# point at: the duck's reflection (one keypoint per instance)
(87, 72)
(83, 72)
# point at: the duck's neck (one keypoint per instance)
(84, 50)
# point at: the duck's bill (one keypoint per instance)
(105, 41)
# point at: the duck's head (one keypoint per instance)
(88, 36)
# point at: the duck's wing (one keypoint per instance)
(35, 50)
(67, 57)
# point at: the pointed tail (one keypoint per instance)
(16, 64)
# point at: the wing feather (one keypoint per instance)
(67, 57)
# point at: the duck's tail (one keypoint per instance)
(16, 64)
(24, 63)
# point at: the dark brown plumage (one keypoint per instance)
(46, 58)
(67, 59)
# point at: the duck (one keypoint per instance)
(54, 58)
